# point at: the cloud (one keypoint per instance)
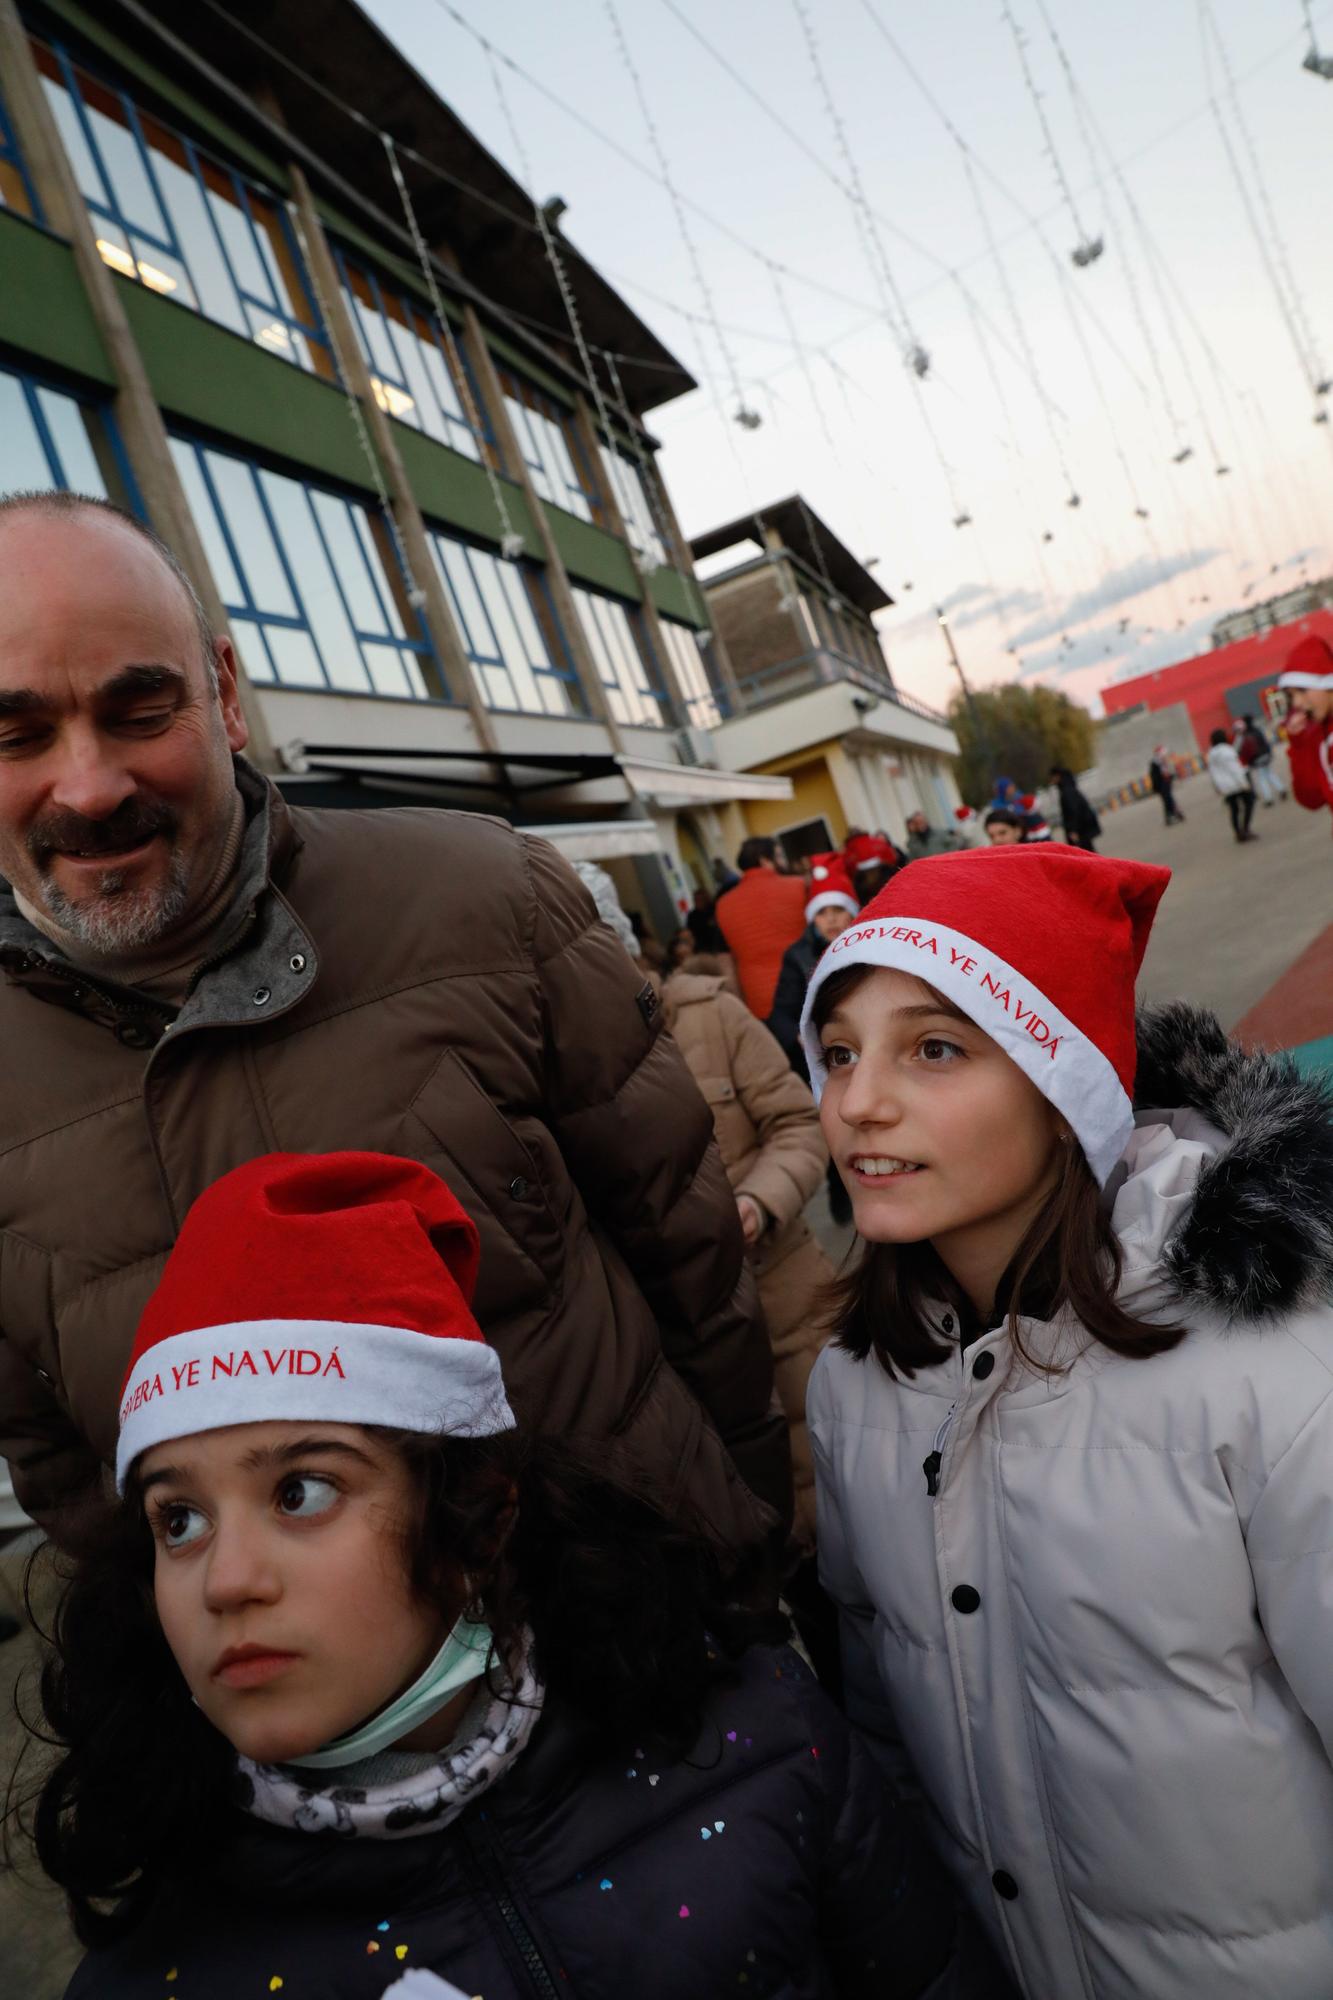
(1116, 655)
(1118, 586)
(970, 604)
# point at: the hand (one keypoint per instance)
(1297, 720)
(753, 1219)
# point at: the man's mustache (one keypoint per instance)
(69, 832)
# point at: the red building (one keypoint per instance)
(1223, 683)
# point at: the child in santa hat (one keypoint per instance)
(1308, 682)
(1073, 1437)
(362, 1682)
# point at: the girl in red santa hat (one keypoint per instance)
(1308, 682)
(1073, 1437)
(361, 1683)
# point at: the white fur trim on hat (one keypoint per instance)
(1303, 680)
(831, 899)
(1067, 1068)
(309, 1371)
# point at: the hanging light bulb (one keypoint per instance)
(1320, 66)
(748, 419)
(1221, 471)
(1087, 252)
(1047, 536)
(1141, 513)
(1180, 457)
(918, 360)
(1074, 500)
(964, 520)
(1321, 388)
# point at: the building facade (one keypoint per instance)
(337, 375)
(793, 610)
(1230, 681)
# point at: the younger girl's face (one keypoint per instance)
(281, 1580)
(935, 1131)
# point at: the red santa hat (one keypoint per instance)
(868, 850)
(1309, 665)
(326, 1288)
(1040, 946)
(829, 888)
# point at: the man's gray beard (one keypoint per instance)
(120, 920)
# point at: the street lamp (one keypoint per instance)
(973, 713)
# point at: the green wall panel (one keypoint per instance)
(455, 492)
(677, 597)
(43, 310)
(592, 556)
(207, 375)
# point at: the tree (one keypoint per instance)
(1018, 732)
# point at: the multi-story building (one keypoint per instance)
(817, 704)
(339, 377)
(1284, 609)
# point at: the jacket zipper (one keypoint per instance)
(931, 1466)
(488, 1862)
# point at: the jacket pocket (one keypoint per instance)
(500, 1181)
(27, 1311)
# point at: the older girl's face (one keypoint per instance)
(938, 1135)
(281, 1580)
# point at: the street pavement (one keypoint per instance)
(1234, 917)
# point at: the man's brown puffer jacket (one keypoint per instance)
(416, 982)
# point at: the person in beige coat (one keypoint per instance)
(767, 1131)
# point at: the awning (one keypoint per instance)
(514, 776)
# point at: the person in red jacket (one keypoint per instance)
(1308, 677)
(759, 918)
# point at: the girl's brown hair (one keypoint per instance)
(1069, 1258)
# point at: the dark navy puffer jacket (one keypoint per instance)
(770, 1863)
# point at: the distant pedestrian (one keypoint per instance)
(1081, 824)
(871, 860)
(1005, 795)
(702, 921)
(923, 838)
(681, 947)
(831, 908)
(1228, 775)
(1006, 826)
(1037, 828)
(1162, 778)
(1256, 755)
(1308, 681)
(759, 918)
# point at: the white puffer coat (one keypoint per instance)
(1107, 1641)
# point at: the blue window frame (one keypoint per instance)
(703, 704)
(613, 631)
(509, 630)
(50, 439)
(310, 578)
(625, 478)
(409, 361)
(16, 190)
(548, 439)
(181, 222)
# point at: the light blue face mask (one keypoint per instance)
(462, 1658)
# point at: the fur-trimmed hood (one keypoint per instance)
(1224, 1199)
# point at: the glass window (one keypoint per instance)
(702, 704)
(408, 359)
(509, 630)
(15, 187)
(181, 223)
(304, 578)
(547, 438)
(625, 478)
(620, 664)
(47, 440)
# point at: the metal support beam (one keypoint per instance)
(459, 682)
(557, 577)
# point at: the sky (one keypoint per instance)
(1193, 331)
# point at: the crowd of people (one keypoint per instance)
(498, 1555)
